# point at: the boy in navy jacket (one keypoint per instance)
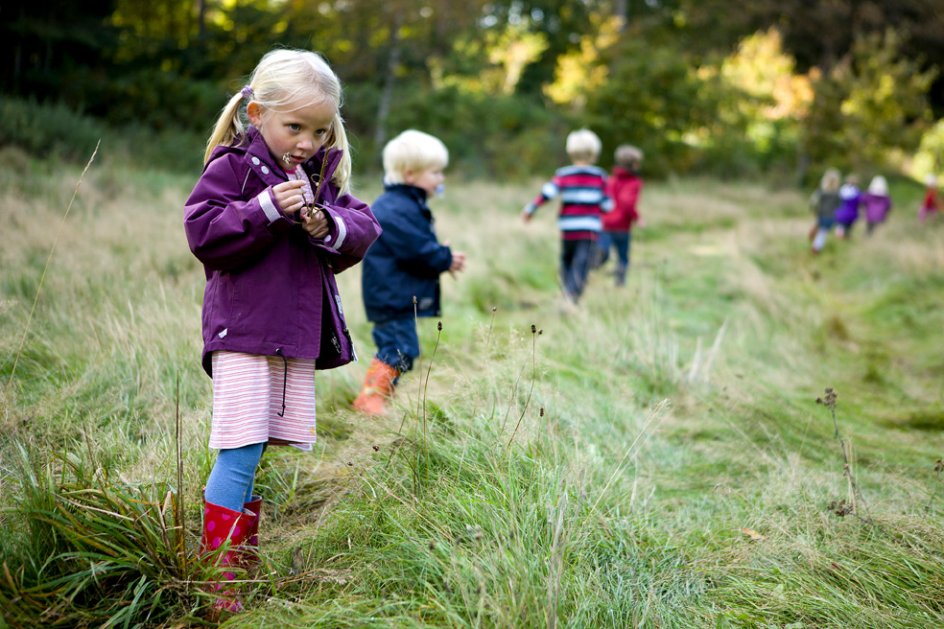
(400, 279)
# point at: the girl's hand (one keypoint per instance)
(289, 195)
(315, 222)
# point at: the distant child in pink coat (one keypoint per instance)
(876, 203)
(930, 204)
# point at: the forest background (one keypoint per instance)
(761, 88)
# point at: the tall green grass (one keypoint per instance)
(656, 458)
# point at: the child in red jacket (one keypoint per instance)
(930, 203)
(624, 187)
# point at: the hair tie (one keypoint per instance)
(246, 91)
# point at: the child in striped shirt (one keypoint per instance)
(582, 189)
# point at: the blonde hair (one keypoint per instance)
(831, 180)
(286, 80)
(414, 151)
(583, 145)
(878, 185)
(627, 155)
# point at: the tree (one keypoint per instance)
(870, 109)
(50, 49)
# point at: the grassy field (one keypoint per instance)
(657, 458)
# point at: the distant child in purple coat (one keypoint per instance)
(272, 221)
(848, 212)
(876, 203)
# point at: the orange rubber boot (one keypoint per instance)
(378, 386)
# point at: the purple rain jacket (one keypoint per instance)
(270, 287)
(876, 206)
(848, 211)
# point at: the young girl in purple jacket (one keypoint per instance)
(272, 221)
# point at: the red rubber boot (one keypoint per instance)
(219, 526)
(250, 554)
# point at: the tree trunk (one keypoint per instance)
(201, 20)
(386, 96)
(621, 11)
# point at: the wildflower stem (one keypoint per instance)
(429, 369)
(42, 276)
(534, 375)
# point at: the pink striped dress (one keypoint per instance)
(248, 398)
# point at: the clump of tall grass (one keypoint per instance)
(95, 551)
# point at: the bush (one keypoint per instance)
(55, 131)
(48, 130)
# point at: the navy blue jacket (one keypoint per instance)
(406, 260)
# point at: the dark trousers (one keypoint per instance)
(397, 343)
(621, 241)
(576, 256)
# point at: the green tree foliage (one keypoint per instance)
(697, 85)
(869, 109)
(55, 48)
(654, 99)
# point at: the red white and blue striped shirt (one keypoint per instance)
(582, 189)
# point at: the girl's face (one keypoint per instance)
(293, 137)
(428, 179)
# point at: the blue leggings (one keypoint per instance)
(231, 481)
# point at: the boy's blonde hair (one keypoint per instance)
(831, 180)
(287, 80)
(627, 156)
(413, 151)
(583, 145)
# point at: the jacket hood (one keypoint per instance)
(407, 189)
(253, 144)
(622, 173)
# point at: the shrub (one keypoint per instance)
(48, 129)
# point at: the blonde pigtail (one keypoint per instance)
(228, 126)
(342, 175)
